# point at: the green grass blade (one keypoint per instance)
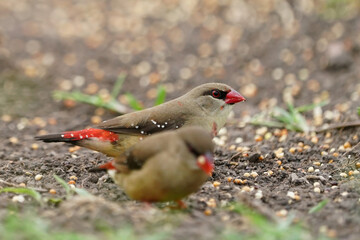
(82, 192)
(27, 191)
(161, 95)
(309, 107)
(318, 206)
(358, 111)
(64, 184)
(118, 85)
(133, 102)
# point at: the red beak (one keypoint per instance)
(234, 97)
(206, 163)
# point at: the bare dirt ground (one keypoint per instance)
(271, 51)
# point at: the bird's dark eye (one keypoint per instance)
(216, 93)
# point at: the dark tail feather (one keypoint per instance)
(57, 137)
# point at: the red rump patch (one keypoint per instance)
(91, 133)
(108, 166)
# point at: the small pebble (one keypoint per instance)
(311, 169)
(18, 198)
(317, 190)
(282, 213)
(258, 194)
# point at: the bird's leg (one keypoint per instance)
(214, 129)
(181, 204)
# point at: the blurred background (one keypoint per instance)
(272, 51)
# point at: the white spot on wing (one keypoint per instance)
(72, 135)
(136, 126)
(62, 135)
(154, 122)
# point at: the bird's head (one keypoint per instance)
(199, 143)
(215, 97)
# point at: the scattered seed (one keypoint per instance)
(22, 185)
(229, 179)
(246, 174)
(216, 184)
(311, 169)
(211, 203)
(232, 148)
(343, 175)
(282, 138)
(314, 140)
(246, 189)
(258, 138)
(282, 213)
(290, 194)
(356, 172)
(307, 147)
(74, 149)
(357, 165)
(292, 150)
(96, 119)
(52, 191)
(317, 190)
(344, 194)
(73, 178)
(317, 163)
(267, 135)
(254, 174)
(316, 184)
(38, 177)
(279, 162)
(325, 146)
(14, 140)
(347, 145)
(71, 182)
(261, 131)
(208, 212)
(34, 146)
(335, 154)
(261, 157)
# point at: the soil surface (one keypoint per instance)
(271, 51)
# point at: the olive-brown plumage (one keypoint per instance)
(165, 167)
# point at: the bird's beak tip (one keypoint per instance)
(234, 97)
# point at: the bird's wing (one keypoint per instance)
(146, 122)
(148, 148)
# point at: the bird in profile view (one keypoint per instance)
(207, 106)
